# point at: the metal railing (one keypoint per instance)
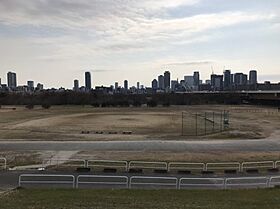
(147, 165)
(247, 182)
(64, 162)
(202, 182)
(256, 165)
(108, 164)
(96, 180)
(134, 182)
(3, 163)
(44, 179)
(223, 166)
(186, 166)
(153, 182)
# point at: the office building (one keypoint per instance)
(76, 85)
(253, 77)
(154, 84)
(12, 80)
(189, 81)
(30, 85)
(166, 80)
(174, 84)
(217, 82)
(161, 82)
(138, 85)
(196, 79)
(116, 85)
(88, 81)
(126, 85)
(227, 80)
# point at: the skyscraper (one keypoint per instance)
(88, 81)
(76, 85)
(161, 82)
(154, 84)
(196, 78)
(227, 80)
(253, 77)
(166, 80)
(126, 85)
(12, 80)
(30, 85)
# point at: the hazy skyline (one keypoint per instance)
(56, 41)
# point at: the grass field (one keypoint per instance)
(140, 199)
(69, 123)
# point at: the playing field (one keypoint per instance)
(88, 123)
(141, 199)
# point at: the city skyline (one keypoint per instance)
(55, 41)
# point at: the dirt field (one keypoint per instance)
(88, 123)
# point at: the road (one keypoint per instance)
(177, 146)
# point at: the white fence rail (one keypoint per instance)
(64, 163)
(97, 181)
(247, 182)
(147, 165)
(108, 164)
(3, 163)
(186, 166)
(192, 183)
(46, 179)
(257, 165)
(146, 182)
(153, 182)
(223, 166)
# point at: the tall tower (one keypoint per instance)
(12, 80)
(88, 81)
(166, 80)
(126, 84)
(227, 80)
(76, 85)
(253, 77)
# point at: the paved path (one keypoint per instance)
(201, 146)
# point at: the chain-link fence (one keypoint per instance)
(201, 124)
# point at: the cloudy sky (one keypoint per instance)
(56, 41)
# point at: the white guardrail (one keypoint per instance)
(46, 179)
(256, 165)
(147, 165)
(108, 164)
(153, 182)
(147, 182)
(186, 166)
(96, 181)
(223, 166)
(3, 163)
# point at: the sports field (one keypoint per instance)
(88, 123)
(140, 199)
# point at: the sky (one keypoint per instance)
(56, 41)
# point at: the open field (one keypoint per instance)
(140, 199)
(82, 123)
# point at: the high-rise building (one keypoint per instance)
(154, 84)
(189, 81)
(126, 84)
(196, 78)
(12, 80)
(227, 80)
(161, 82)
(116, 85)
(217, 82)
(30, 85)
(174, 84)
(166, 80)
(253, 77)
(240, 79)
(138, 85)
(76, 85)
(88, 81)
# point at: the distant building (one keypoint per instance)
(155, 84)
(174, 84)
(88, 81)
(30, 85)
(166, 80)
(217, 82)
(189, 81)
(138, 85)
(126, 84)
(161, 82)
(253, 77)
(76, 85)
(196, 79)
(240, 79)
(227, 80)
(12, 80)
(116, 85)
